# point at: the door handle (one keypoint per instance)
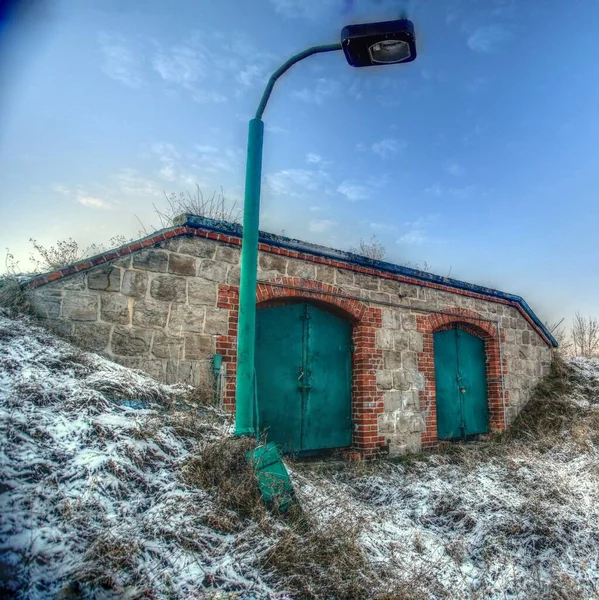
(301, 373)
(463, 390)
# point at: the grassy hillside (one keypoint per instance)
(115, 486)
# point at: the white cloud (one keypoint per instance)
(94, 202)
(416, 231)
(313, 158)
(353, 191)
(306, 9)
(183, 64)
(130, 182)
(387, 147)
(293, 182)
(122, 60)
(487, 38)
(457, 192)
(321, 226)
(317, 208)
(455, 169)
(317, 95)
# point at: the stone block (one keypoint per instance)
(390, 286)
(408, 321)
(114, 309)
(213, 271)
(403, 380)
(401, 340)
(392, 359)
(169, 288)
(78, 306)
(165, 345)
(134, 284)
(379, 296)
(200, 291)
(61, 328)
(187, 318)
(181, 264)
(124, 262)
(172, 244)
(409, 361)
(147, 313)
(392, 401)
(74, 282)
(233, 275)
(526, 337)
(228, 254)
(105, 278)
(408, 291)
(419, 382)
(152, 367)
(92, 336)
(390, 319)
(344, 277)
(366, 282)
(387, 422)
(183, 371)
(272, 262)
(384, 380)
(384, 339)
(130, 342)
(199, 346)
(196, 246)
(300, 268)
(325, 274)
(217, 321)
(151, 260)
(45, 306)
(416, 342)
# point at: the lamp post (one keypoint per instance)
(364, 45)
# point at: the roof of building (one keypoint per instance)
(188, 224)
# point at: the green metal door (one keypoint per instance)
(303, 377)
(461, 384)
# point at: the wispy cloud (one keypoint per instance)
(488, 38)
(323, 89)
(387, 147)
(416, 232)
(294, 182)
(353, 191)
(93, 202)
(321, 226)
(313, 158)
(456, 192)
(306, 9)
(455, 169)
(122, 59)
(130, 182)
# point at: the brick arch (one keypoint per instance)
(471, 322)
(367, 401)
(309, 289)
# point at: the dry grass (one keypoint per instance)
(223, 471)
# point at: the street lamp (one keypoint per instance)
(364, 45)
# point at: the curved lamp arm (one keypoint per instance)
(285, 66)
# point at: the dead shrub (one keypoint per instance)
(223, 470)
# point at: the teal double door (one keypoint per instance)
(303, 377)
(461, 384)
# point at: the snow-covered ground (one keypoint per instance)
(91, 491)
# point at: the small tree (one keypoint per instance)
(560, 333)
(585, 335)
(372, 249)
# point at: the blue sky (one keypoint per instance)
(479, 158)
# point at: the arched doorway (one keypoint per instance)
(303, 376)
(461, 384)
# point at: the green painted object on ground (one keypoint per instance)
(461, 384)
(303, 375)
(273, 480)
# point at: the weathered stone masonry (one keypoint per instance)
(166, 304)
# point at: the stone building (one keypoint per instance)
(351, 352)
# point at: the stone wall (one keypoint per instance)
(167, 309)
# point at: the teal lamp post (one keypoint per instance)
(364, 45)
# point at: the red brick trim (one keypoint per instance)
(157, 238)
(367, 401)
(428, 325)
